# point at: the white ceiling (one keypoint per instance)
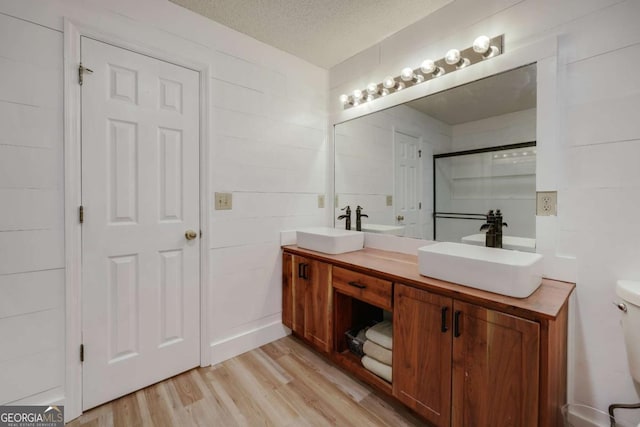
(323, 32)
(503, 93)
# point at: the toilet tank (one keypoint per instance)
(629, 292)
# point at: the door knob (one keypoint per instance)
(400, 218)
(190, 234)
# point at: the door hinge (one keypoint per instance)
(81, 214)
(81, 70)
(82, 352)
(419, 153)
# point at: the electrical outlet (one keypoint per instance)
(223, 201)
(547, 203)
(320, 201)
(389, 200)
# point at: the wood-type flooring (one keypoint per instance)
(281, 384)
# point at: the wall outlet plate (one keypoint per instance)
(223, 201)
(389, 200)
(320, 201)
(546, 203)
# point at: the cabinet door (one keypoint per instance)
(422, 352)
(299, 286)
(495, 368)
(287, 290)
(318, 303)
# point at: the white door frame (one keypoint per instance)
(420, 186)
(144, 43)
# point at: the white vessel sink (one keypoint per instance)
(383, 229)
(502, 271)
(330, 240)
(508, 242)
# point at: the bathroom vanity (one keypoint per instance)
(461, 356)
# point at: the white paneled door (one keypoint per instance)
(140, 193)
(407, 183)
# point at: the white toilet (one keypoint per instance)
(629, 291)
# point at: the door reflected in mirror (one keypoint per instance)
(384, 162)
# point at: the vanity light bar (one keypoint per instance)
(483, 48)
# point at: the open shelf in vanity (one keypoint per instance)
(350, 314)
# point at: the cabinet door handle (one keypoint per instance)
(303, 271)
(357, 285)
(456, 323)
(444, 328)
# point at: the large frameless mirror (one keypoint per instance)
(401, 164)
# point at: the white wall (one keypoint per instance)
(364, 156)
(31, 214)
(596, 147)
(267, 146)
(510, 128)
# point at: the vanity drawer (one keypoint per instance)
(365, 288)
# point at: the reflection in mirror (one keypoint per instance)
(384, 161)
(470, 184)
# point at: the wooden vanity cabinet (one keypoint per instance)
(460, 364)
(461, 357)
(307, 300)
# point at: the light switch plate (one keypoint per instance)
(389, 200)
(320, 201)
(223, 201)
(546, 203)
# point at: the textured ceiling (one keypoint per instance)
(503, 93)
(323, 32)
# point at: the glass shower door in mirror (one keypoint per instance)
(469, 184)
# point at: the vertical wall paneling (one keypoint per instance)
(31, 218)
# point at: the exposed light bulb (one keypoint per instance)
(453, 57)
(370, 98)
(406, 74)
(357, 95)
(372, 88)
(344, 98)
(482, 45)
(356, 102)
(384, 92)
(428, 66)
(389, 82)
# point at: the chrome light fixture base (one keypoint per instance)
(390, 85)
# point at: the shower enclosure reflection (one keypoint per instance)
(469, 184)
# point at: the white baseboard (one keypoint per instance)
(241, 343)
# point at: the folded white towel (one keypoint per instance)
(379, 369)
(381, 334)
(377, 352)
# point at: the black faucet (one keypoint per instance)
(493, 227)
(347, 217)
(489, 226)
(359, 216)
(498, 227)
